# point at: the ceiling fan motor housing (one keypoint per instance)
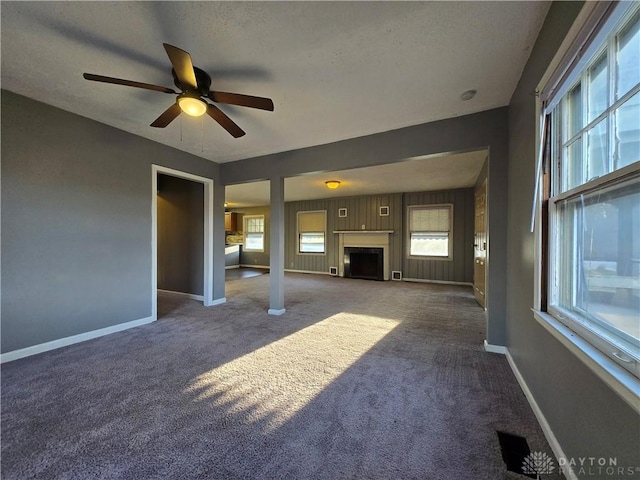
(202, 78)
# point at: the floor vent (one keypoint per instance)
(517, 455)
(333, 271)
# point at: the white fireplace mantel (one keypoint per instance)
(364, 238)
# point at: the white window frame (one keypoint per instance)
(450, 233)
(570, 63)
(245, 221)
(299, 233)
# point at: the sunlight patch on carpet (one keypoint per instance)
(273, 383)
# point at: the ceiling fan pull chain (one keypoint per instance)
(202, 134)
(181, 128)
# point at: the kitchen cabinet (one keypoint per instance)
(231, 222)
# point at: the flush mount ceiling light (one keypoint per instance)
(333, 184)
(192, 106)
(468, 95)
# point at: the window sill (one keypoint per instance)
(622, 382)
(427, 257)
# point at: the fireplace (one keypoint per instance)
(364, 241)
(364, 262)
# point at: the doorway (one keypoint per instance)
(180, 236)
(205, 256)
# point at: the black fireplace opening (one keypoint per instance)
(364, 262)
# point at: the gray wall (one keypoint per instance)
(180, 235)
(460, 268)
(588, 419)
(76, 222)
(470, 132)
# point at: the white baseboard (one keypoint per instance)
(188, 295)
(290, 270)
(64, 342)
(495, 348)
(546, 428)
(276, 312)
(443, 282)
(231, 267)
(218, 301)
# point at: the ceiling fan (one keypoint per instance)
(194, 85)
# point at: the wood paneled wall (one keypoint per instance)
(460, 268)
(363, 213)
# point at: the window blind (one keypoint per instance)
(311, 221)
(429, 219)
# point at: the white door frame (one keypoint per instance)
(207, 284)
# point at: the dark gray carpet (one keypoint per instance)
(359, 379)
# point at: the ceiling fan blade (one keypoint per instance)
(242, 100)
(226, 123)
(167, 116)
(128, 83)
(182, 65)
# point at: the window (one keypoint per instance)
(311, 231)
(253, 233)
(430, 232)
(593, 283)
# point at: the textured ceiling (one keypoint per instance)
(335, 70)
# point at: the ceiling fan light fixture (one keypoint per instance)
(192, 106)
(195, 86)
(332, 184)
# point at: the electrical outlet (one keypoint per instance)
(363, 227)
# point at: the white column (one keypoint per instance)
(276, 251)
